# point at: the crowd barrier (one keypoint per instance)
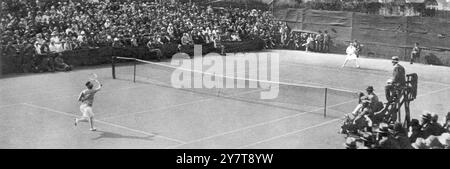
(102, 55)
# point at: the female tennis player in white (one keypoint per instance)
(87, 99)
(351, 55)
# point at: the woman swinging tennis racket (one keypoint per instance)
(87, 99)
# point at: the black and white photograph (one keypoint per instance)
(225, 74)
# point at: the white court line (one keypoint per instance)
(106, 92)
(320, 125)
(290, 133)
(106, 123)
(256, 125)
(387, 74)
(61, 97)
(10, 105)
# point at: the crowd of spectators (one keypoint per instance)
(366, 128)
(47, 27)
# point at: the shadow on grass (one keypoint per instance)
(106, 134)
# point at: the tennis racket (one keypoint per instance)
(92, 76)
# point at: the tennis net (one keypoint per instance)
(293, 97)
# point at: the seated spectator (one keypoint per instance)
(446, 124)
(117, 43)
(60, 65)
(358, 120)
(401, 136)
(375, 103)
(429, 128)
(386, 140)
(434, 121)
(154, 47)
(415, 131)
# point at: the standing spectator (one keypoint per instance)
(415, 52)
(358, 47)
(309, 43)
(326, 42)
(319, 42)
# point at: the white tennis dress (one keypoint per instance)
(87, 96)
(351, 53)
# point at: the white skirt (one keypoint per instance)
(86, 111)
(351, 57)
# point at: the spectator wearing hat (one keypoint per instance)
(428, 127)
(386, 140)
(434, 121)
(398, 80)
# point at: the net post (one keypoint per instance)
(113, 63)
(134, 71)
(325, 104)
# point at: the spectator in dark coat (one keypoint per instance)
(446, 124)
(401, 136)
(414, 130)
(429, 128)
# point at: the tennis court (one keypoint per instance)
(38, 111)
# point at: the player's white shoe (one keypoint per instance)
(93, 129)
(76, 122)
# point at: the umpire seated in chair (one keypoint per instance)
(397, 82)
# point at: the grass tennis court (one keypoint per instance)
(37, 111)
